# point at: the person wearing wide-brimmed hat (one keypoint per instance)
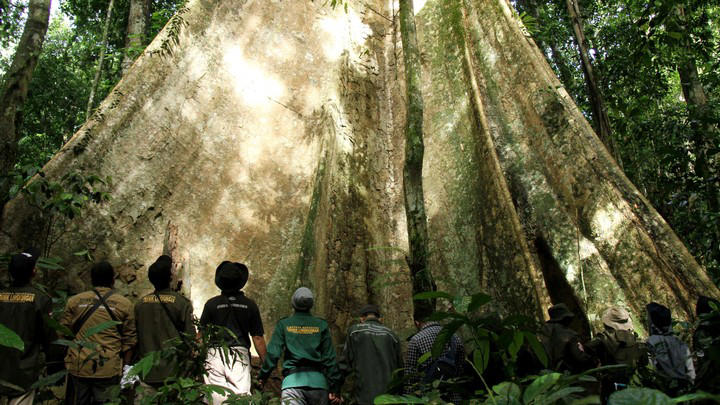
(23, 309)
(562, 344)
(311, 375)
(372, 351)
(617, 344)
(238, 313)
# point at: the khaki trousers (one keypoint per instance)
(232, 373)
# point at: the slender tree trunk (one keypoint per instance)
(138, 20)
(15, 86)
(414, 150)
(98, 71)
(600, 117)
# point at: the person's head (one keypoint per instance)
(369, 311)
(302, 300)
(559, 313)
(615, 318)
(659, 319)
(421, 313)
(22, 267)
(102, 274)
(231, 277)
(160, 272)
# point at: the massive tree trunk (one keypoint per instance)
(414, 151)
(600, 117)
(273, 134)
(15, 86)
(137, 26)
(101, 59)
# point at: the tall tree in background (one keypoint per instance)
(15, 85)
(101, 59)
(137, 29)
(414, 151)
(599, 112)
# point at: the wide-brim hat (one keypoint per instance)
(617, 318)
(231, 276)
(559, 313)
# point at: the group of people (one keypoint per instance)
(110, 333)
(619, 344)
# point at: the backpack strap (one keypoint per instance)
(107, 308)
(78, 324)
(167, 312)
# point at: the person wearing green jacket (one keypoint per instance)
(310, 371)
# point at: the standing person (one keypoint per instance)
(23, 309)
(161, 316)
(669, 355)
(562, 344)
(233, 310)
(372, 351)
(311, 374)
(449, 365)
(93, 371)
(617, 344)
(706, 344)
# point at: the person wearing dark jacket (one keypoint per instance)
(311, 373)
(161, 316)
(238, 313)
(23, 309)
(562, 344)
(372, 352)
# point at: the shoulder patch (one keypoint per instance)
(17, 297)
(302, 330)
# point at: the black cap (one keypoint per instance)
(102, 274)
(22, 265)
(231, 276)
(370, 309)
(560, 313)
(160, 272)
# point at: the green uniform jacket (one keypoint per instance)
(155, 327)
(22, 309)
(372, 351)
(305, 343)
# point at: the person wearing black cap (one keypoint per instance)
(23, 309)
(238, 313)
(669, 356)
(93, 372)
(372, 351)
(161, 316)
(562, 344)
(311, 373)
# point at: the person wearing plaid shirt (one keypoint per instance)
(421, 343)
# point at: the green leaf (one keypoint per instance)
(51, 379)
(100, 327)
(696, 396)
(539, 386)
(144, 365)
(9, 338)
(562, 394)
(432, 295)
(424, 357)
(68, 343)
(516, 344)
(477, 301)
(443, 338)
(645, 396)
(508, 390)
(398, 399)
(49, 263)
(537, 348)
(481, 355)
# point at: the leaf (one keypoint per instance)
(481, 355)
(398, 399)
(539, 386)
(537, 348)
(49, 263)
(645, 396)
(12, 386)
(508, 390)
(143, 367)
(9, 338)
(68, 343)
(100, 327)
(431, 295)
(424, 357)
(695, 396)
(443, 338)
(562, 393)
(477, 301)
(51, 379)
(516, 344)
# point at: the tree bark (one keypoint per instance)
(15, 86)
(600, 117)
(101, 59)
(138, 21)
(414, 150)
